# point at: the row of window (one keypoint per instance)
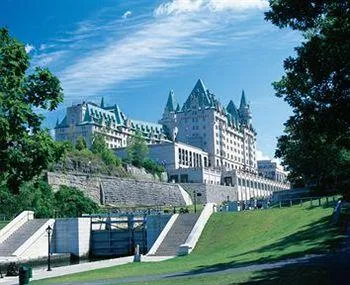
(191, 159)
(257, 185)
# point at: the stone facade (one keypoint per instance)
(86, 119)
(120, 191)
(225, 133)
(211, 193)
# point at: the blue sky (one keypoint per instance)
(133, 52)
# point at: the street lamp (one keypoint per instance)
(195, 200)
(49, 232)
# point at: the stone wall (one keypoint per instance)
(211, 193)
(120, 191)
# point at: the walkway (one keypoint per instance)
(77, 268)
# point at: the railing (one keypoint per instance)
(306, 201)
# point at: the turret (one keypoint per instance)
(169, 116)
(244, 111)
(171, 105)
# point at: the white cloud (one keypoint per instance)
(126, 15)
(29, 48)
(190, 6)
(44, 59)
(111, 52)
(261, 156)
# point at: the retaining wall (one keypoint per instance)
(120, 191)
(211, 193)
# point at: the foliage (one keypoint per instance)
(25, 149)
(39, 197)
(99, 147)
(98, 144)
(316, 143)
(153, 167)
(80, 143)
(137, 149)
(71, 202)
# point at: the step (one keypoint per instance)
(177, 235)
(20, 236)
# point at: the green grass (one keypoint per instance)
(238, 239)
(3, 223)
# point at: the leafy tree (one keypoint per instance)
(38, 197)
(137, 149)
(315, 146)
(25, 149)
(71, 202)
(153, 167)
(98, 144)
(80, 144)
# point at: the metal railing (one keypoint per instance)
(307, 201)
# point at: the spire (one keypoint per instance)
(171, 103)
(200, 97)
(102, 105)
(200, 87)
(57, 123)
(243, 101)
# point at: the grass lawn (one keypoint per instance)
(3, 223)
(236, 239)
(290, 275)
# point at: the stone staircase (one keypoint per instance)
(177, 235)
(13, 242)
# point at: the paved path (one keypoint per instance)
(76, 268)
(148, 278)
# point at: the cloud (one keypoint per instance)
(190, 6)
(126, 15)
(29, 48)
(103, 52)
(261, 156)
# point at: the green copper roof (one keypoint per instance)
(146, 127)
(232, 110)
(243, 101)
(63, 124)
(118, 115)
(199, 97)
(171, 104)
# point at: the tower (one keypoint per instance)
(244, 112)
(169, 116)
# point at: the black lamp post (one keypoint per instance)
(195, 200)
(49, 232)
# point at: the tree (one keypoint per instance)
(25, 149)
(316, 143)
(80, 144)
(71, 202)
(98, 144)
(137, 149)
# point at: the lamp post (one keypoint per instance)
(49, 232)
(195, 200)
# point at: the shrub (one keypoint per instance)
(71, 202)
